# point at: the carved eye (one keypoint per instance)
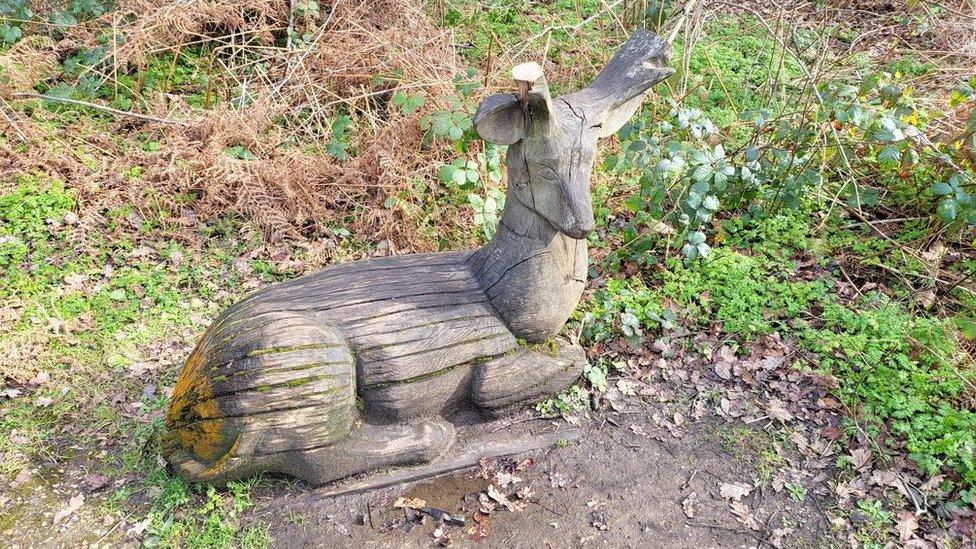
(547, 173)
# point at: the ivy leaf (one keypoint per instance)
(596, 377)
(695, 238)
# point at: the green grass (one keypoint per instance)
(100, 304)
(904, 377)
(213, 520)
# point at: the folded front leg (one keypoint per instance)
(501, 385)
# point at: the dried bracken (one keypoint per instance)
(354, 56)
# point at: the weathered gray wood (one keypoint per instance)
(353, 368)
(501, 385)
(469, 458)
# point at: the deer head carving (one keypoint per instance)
(552, 142)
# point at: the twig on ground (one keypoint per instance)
(11, 121)
(118, 112)
(577, 26)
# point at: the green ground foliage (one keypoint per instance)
(752, 195)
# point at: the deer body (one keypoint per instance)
(357, 366)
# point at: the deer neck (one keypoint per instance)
(533, 274)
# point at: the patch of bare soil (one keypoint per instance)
(625, 483)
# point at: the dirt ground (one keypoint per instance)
(617, 479)
(620, 485)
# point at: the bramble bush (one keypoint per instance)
(54, 17)
(846, 131)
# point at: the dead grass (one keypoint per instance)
(355, 55)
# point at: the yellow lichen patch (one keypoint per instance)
(191, 408)
(218, 467)
(191, 380)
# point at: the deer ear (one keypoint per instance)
(615, 118)
(500, 119)
(617, 92)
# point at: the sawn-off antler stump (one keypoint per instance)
(356, 367)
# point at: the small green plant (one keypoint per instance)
(487, 210)
(408, 103)
(796, 491)
(626, 307)
(338, 146)
(877, 524)
(572, 400)
(904, 374)
(746, 293)
(14, 14)
(215, 522)
(306, 8)
(239, 152)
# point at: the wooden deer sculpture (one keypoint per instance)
(357, 367)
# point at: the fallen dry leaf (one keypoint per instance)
(860, 458)
(723, 370)
(688, 505)
(731, 408)
(744, 515)
(40, 379)
(735, 490)
(138, 528)
(22, 477)
(74, 504)
(411, 503)
(778, 537)
(502, 499)
(777, 409)
(906, 525)
(96, 482)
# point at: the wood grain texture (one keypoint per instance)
(355, 367)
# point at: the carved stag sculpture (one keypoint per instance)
(356, 367)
